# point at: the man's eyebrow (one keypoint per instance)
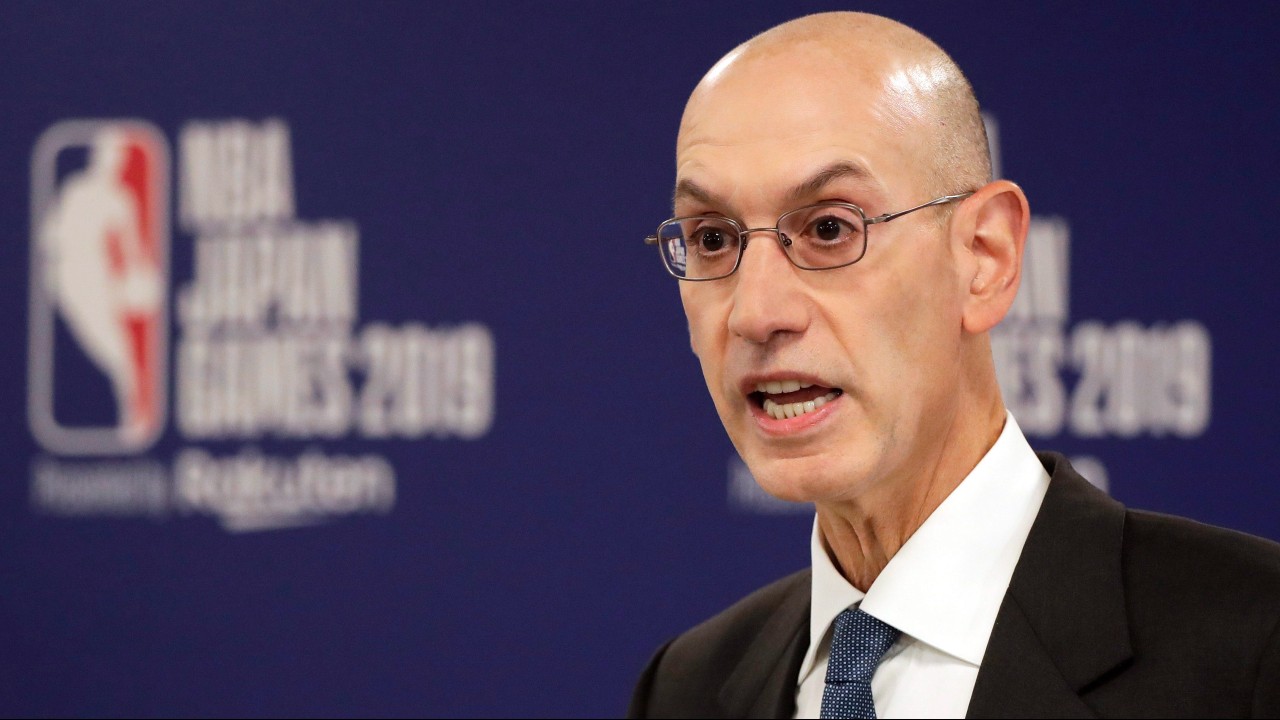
(687, 189)
(827, 175)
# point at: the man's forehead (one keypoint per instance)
(776, 121)
(777, 167)
(797, 91)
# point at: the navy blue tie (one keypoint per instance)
(856, 648)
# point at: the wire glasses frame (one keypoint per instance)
(783, 240)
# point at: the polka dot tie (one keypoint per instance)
(856, 648)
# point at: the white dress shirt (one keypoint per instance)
(942, 589)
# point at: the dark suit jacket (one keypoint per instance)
(1110, 612)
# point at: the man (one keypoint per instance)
(843, 254)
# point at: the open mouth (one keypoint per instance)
(791, 398)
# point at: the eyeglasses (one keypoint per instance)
(815, 237)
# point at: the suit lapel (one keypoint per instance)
(763, 685)
(1062, 625)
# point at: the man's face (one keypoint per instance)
(878, 340)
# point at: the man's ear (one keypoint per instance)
(991, 229)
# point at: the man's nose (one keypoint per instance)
(768, 295)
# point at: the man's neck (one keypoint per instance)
(863, 535)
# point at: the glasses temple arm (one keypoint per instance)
(890, 216)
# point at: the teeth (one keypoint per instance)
(779, 411)
(786, 386)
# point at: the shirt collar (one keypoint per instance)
(945, 585)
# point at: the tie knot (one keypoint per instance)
(859, 642)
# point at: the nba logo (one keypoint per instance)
(99, 287)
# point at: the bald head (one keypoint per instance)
(913, 87)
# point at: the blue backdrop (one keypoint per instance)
(497, 483)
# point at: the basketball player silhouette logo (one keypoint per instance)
(101, 253)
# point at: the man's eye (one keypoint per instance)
(711, 239)
(828, 229)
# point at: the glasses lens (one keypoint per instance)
(699, 247)
(824, 236)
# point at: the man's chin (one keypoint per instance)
(799, 480)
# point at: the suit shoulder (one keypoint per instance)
(1203, 546)
(685, 676)
(742, 621)
(1178, 557)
